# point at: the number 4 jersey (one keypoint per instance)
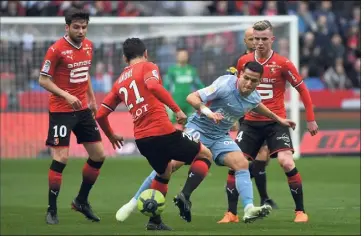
(148, 112)
(68, 66)
(277, 71)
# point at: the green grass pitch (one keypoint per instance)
(331, 195)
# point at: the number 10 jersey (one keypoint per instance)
(68, 66)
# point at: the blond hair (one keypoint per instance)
(263, 25)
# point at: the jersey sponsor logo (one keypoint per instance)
(79, 64)
(268, 80)
(46, 66)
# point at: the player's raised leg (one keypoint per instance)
(196, 174)
(236, 161)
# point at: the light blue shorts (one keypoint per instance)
(219, 147)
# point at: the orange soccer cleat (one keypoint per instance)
(229, 217)
(301, 217)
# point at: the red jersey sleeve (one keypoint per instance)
(291, 74)
(108, 105)
(112, 100)
(50, 62)
(295, 79)
(240, 64)
(153, 82)
(151, 71)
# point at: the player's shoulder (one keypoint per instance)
(87, 41)
(246, 57)
(225, 79)
(279, 59)
(225, 83)
(147, 65)
(56, 46)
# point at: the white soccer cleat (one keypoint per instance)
(253, 213)
(124, 212)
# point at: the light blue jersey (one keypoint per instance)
(224, 97)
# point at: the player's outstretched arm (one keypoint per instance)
(163, 96)
(263, 110)
(48, 84)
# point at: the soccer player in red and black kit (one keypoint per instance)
(141, 89)
(72, 107)
(256, 167)
(257, 129)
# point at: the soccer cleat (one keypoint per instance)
(255, 213)
(269, 202)
(301, 217)
(184, 206)
(160, 226)
(85, 209)
(51, 217)
(229, 217)
(124, 212)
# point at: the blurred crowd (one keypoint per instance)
(329, 40)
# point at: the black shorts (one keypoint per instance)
(253, 134)
(80, 122)
(160, 150)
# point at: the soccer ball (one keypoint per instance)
(151, 202)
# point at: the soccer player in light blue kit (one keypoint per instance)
(218, 107)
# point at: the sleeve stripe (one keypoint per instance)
(298, 84)
(108, 107)
(45, 74)
(151, 78)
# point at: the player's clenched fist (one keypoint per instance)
(216, 117)
(312, 127)
(181, 117)
(116, 141)
(73, 101)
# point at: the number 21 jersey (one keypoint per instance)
(149, 114)
(68, 66)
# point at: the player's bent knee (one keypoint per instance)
(176, 165)
(263, 154)
(167, 173)
(60, 154)
(285, 159)
(236, 161)
(204, 153)
(95, 151)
